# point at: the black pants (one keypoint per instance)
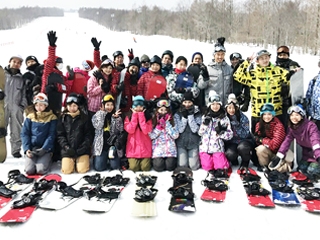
(162, 164)
(243, 149)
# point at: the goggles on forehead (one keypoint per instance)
(267, 107)
(219, 48)
(283, 49)
(107, 98)
(39, 98)
(235, 55)
(107, 62)
(138, 103)
(296, 109)
(72, 99)
(163, 103)
(215, 99)
(86, 66)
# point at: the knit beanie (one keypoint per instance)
(214, 97)
(31, 58)
(188, 96)
(138, 101)
(155, 59)
(144, 58)
(197, 53)
(232, 99)
(181, 58)
(167, 52)
(267, 108)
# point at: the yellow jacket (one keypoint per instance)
(265, 85)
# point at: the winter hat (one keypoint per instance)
(167, 52)
(106, 63)
(197, 53)
(104, 57)
(283, 49)
(214, 97)
(155, 59)
(16, 56)
(144, 58)
(232, 99)
(235, 55)
(267, 108)
(188, 96)
(298, 109)
(107, 98)
(41, 98)
(88, 65)
(181, 58)
(263, 52)
(116, 54)
(138, 101)
(219, 46)
(31, 58)
(135, 62)
(59, 60)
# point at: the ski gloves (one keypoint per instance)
(95, 43)
(52, 38)
(130, 55)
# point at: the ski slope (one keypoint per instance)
(233, 219)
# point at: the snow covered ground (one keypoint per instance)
(233, 219)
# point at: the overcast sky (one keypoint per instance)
(75, 4)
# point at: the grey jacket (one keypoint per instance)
(15, 90)
(220, 81)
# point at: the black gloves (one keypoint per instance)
(184, 112)
(191, 110)
(245, 106)
(274, 162)
(98, 75)
(95, 43)
(207, 120)
(219, 128)
(204, 72)
(180, 90)
(105, 87)
(70, 152)
(71, 73)
(52, 38)
(258, 139)
(130, 55)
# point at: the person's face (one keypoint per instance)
(215, 106)
(231, 109)
(187, 104)
(30, 62)
(145, 64)
(133, 69)
(181, 65)
(283, 55)
(139, 108)
(107, 70)
(15, 63)
(267, 117)
(263, 61)
(72, 108)
(40, 107)
(219, 57)
(109, 106)
(155, 67)
(163, 110)
(295, 118)
(197, 59)
(118, 60)
(166, 59)
(234, 61)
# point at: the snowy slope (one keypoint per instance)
(232, 220)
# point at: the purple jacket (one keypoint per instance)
(307, 136)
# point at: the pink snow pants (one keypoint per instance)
(216, 160)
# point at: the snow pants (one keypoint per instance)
(162, 164)
(139, 164)
(38, 165)
(103, 162)
(14, 119)
(188, 158)
(216, 160)
(80, 164)
(243, 149)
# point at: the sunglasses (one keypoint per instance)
(163, 103)
(72, 99)
(86, 66)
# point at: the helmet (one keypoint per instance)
(235, 55)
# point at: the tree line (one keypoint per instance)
(295, 23)
(13, 18)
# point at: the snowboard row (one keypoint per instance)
(21, 194)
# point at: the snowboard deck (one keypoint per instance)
(285, 199)
(3, 147)
(213, 195)
(257, 200)
(144, 209)
(20, 215)
(184, 204)
(297, 87)
(157, 86)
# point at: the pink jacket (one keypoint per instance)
(139, 144)
(94, 94)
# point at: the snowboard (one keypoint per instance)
(182, 199)
(3, 148)
(218, 188)
(157, 86)
(15, 186)
(101, 198)
(144, 204)
(251, 181)
(297, 87)
(286, 199)
(23, 214)
(79, 84)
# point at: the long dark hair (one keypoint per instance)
(237, 112)
(156, 114)
(220, 114)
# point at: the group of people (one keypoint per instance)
(197, 121)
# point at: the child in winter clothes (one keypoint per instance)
(180, 81)
(38, 135)
(108, 127)
(308, 137)
(188, 121)
(241, 143)
(163, 135)
(269, 134)
(139, 146)
(74, 138)
(214, 130)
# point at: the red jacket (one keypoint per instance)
(143, 83)
(139, 144)
(275, 135)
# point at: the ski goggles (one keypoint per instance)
(107, 62)
(235, 55)
(72, 99)
(234, 101)
(296, 109)
(283, 49)
(219, 48)
(263, 52)
(138, 103)
(86, 66)
(163, 103)
(107, 98)
(215, 99)
(268, 107)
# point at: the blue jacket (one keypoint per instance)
(313, 98)
(241, 130)
(39, 130)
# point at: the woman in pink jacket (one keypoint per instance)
(139, 146)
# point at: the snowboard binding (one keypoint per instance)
(146, 180)
(112, 193)
(309, 193)
(117, 180)
(27, 200)
(254, 188)
(145, 194)
(182, 178)
(17, 177)
(216, 185)
(181, 192)
(219, 173)
(6, 192)
(68, 191)
(281, 186)
(44, 185)
(94, 179)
